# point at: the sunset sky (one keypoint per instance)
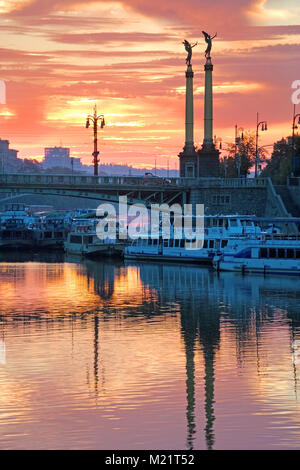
(60, 57)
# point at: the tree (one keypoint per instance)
(245, 153)
(283, 161)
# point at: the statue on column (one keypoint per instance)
(208, 40)
(188, 48)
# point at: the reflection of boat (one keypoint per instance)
(274, 254)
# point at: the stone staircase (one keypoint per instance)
(292, 208)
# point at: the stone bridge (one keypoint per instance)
(226, 196)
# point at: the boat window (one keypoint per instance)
(199, 244)
(155, 241)
(166, 243)
(224, 243)
(48, 234)
(298, 254)
(211, 243)
(182, 243)
(58, 234)
(75, 239)
(263, 253)
(177, 243)
(233, 223)
(272, 253)
(281, 253)
(205, 244)
(289, 253)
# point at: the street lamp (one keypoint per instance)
(259, 152)
(94, 119)
(295, 116)
(264, 127)
(238, 140)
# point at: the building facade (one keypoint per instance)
(9, 162)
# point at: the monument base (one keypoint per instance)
(208, 162)
(188, 162)
(203, 163)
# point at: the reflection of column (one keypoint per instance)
(96, 352)
(209, 335)
(189, 332)
(295, 346)
(209, 380)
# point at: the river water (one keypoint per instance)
(110, 355)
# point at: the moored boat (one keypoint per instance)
(219, 231)
(83, 240)
(276, 254)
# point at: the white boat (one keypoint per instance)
(219, 231)
(276, 254)
(83, 240)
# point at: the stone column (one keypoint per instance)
(189, 111)
(208, 154)
(208, 105)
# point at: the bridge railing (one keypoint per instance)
(87, 180)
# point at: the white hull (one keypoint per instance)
(269, 257)
(256, 269)
(168, 254)
(96, 249)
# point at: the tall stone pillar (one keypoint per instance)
(208, 104)
(189, 110)
(188, 157)
(208, 163)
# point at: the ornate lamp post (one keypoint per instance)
(264, 127)
(238, 140)
(94, 119)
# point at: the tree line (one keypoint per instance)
(284, 161)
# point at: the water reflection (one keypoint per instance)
(159, 341)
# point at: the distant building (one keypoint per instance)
(57, 156)
(60, 157)
(8, 158)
